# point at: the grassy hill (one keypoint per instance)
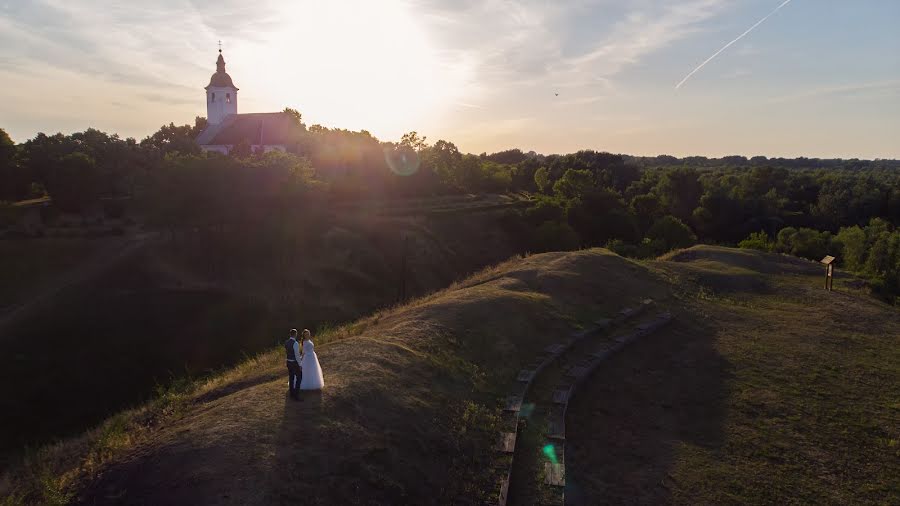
(186, 304)
(765, 389)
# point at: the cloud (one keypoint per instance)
(854, 90)
(580, 47)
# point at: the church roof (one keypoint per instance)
(221, 78)
(258, 129)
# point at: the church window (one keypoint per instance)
(212, 97)
(228, 98)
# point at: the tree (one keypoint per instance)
(672, 233)
(599, 216)
(443, 158)
(176, 139)
(758, 241)
(680, 190)
(542, 179)
(74, 183)
(853, 253)
(295, 114)
(573, 184)
(241, 150)
(647, 209)
(413, 141)
(15, 180)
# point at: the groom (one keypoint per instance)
(295, 373)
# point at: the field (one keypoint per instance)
(765, 390)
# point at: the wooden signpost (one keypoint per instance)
(829, 272)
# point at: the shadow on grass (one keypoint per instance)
(627, 425)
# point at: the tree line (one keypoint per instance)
(637, 206)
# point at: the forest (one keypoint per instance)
(637, 206)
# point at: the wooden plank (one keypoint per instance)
(556, 428)
(602, 354)
(507, 443)
(504, 491)
(513, 403)
(625, 338)
(555, 474)
(525, 375)
(578, 371)
(561, 396)
(555, 349)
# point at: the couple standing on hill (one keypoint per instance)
(302, 359)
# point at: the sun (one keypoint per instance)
(352, 64)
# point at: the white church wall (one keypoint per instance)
(220, 103)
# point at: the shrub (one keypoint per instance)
(758, 241)
(554, 236)
(670, 233)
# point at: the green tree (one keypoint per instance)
(672, 233)
(443, 158)
(15, 180)
(241, 150)
(758, 241)
(647, 209)
(413, 141)
(297, 117)
(853, 251)
(74, 183)
(680, 191)
(176, 139)
(542, 179)
(573, 184)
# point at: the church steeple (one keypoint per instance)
(220, 63)
(221, 93)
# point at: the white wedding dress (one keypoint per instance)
(312, 371)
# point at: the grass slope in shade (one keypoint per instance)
(766, 390)
(408, 415)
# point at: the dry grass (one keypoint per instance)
(786, 395)
(412, 396)
(744, 400)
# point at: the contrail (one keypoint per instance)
(711, 58)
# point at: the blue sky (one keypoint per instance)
(819, 78)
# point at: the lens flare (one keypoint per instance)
(550, 453)
(402, 162)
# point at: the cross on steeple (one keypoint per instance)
(220, 46)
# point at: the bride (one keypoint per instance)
(309, 364)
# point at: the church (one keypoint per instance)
(263, 132)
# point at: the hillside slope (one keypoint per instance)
(749, 397)
(187, 303)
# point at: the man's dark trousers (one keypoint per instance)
(295, 376)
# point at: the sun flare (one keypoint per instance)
(351, 64)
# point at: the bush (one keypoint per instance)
(670, 233)
(758, 241)
(554, 236)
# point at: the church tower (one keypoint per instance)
(221, 94)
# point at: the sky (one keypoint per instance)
(819, 78)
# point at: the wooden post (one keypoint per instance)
(828, 261)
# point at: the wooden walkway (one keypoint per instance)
(554, 418)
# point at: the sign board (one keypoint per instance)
(827, 260)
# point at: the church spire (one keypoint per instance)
(220, 61)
